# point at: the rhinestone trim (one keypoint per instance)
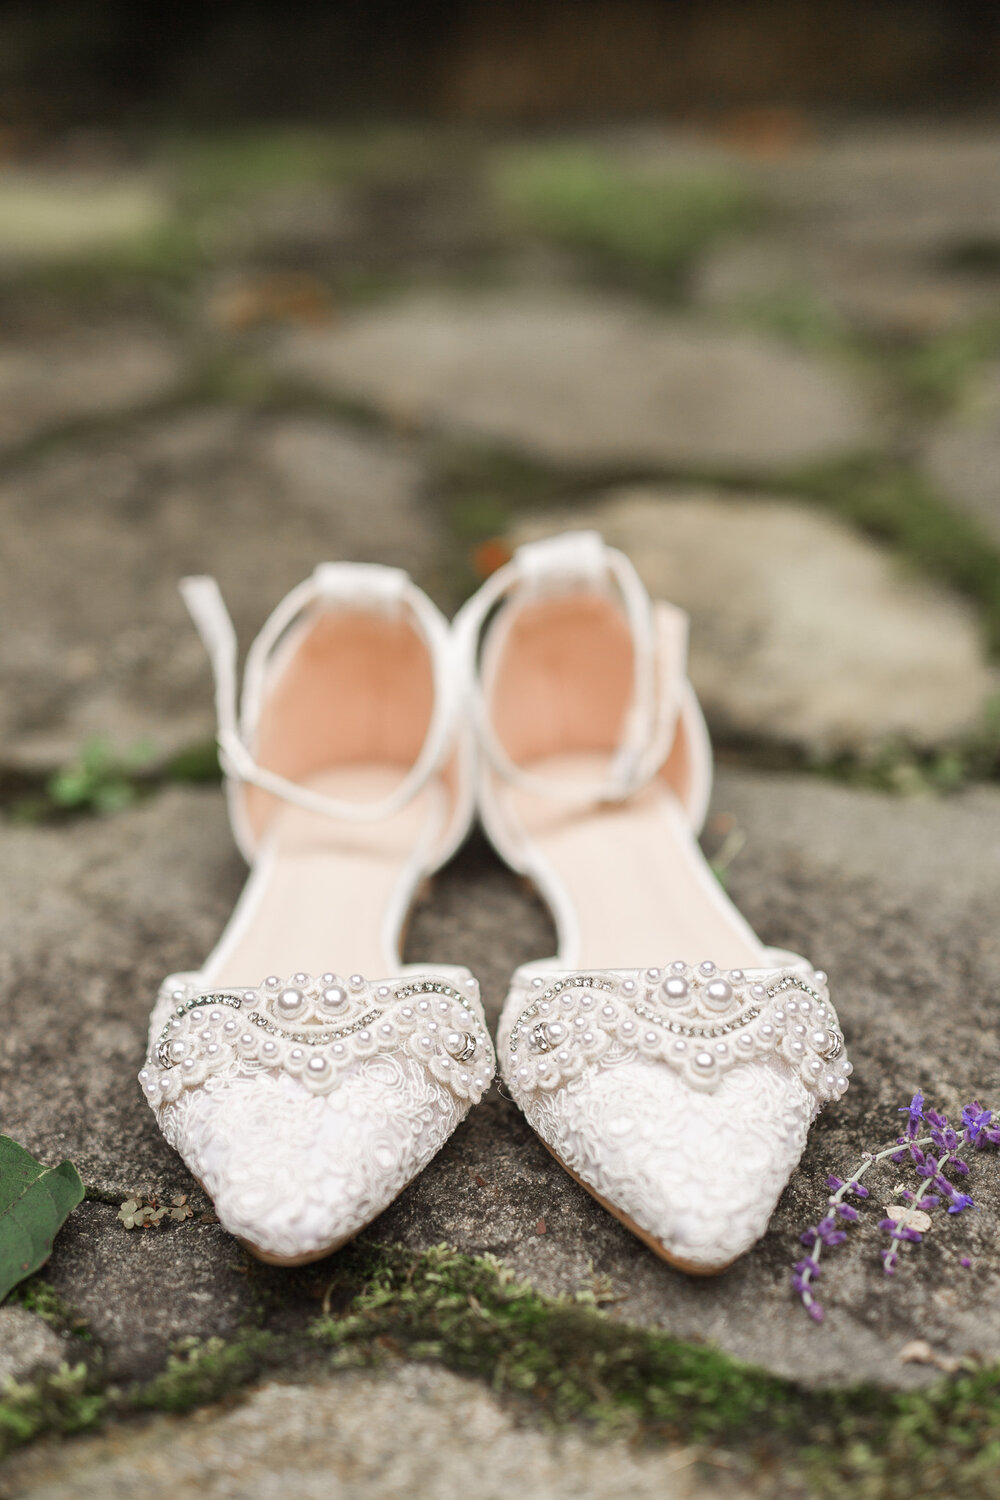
(195, 1043)
(698, 1019)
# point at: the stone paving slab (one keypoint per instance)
(962, 456)
(589, 381)
(825, 289)
(92, 917)
(28, 1346)
(435, 1436)
(94, 641)
(802, 630)
(896, 899)
(141, 1291)
(885, 227)
(897, 186)
(49, 380)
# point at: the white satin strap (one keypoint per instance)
(659, 638)
(357, 586)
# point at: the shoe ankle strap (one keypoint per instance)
(575, 559)
(355, 585)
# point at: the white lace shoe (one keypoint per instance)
(669, 1060)
(302, 1094)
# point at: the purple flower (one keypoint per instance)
(915, 1112)
(975, 1119)
(829, 1233)
(934, 1170)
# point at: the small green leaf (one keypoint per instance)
(34, 1203)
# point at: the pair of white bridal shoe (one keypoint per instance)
(669, 1060)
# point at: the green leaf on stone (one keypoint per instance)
(34, 1204)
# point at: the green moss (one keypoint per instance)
(196, 765)
(231, 166)
(576, 1363)
(570, 1362)
(204, 1370)
(38, 1296)
(66, 1401)
(655, 219)
(896, 767)
(933, 374)
(801, 317)
(100, 779)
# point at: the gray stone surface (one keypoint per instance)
(141, 1290)
(817, 289)
(92, 916)
(49, 381)
(588, 381)
(28, 1346)
(436, 1436)
(803, 631)
(963, 455)
(884, 222)
(897, 186)
(896, 899)
(94, 640)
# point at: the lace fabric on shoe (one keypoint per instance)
(306, 1105)
(681, 1096)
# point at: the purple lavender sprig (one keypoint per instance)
(934, 1169)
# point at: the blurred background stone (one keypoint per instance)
(802, 631)
(94, 641)
(588, 382)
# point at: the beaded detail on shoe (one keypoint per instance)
(700, 1020)
(316, 1030)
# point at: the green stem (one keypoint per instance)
(897, 1239)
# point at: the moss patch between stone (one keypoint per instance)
(567, 1361)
